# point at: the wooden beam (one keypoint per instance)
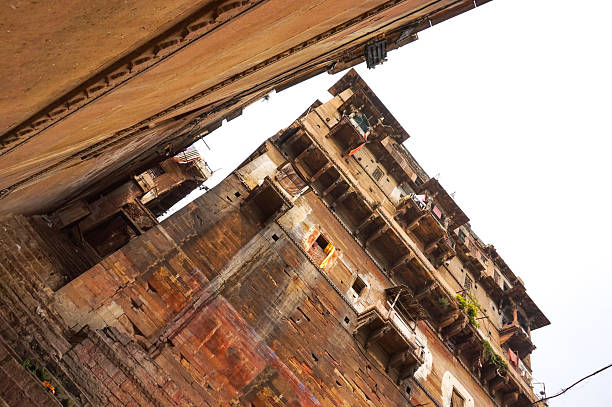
(332, 186)
(469, 344)
(405, 259)
(412, 225)
(452, 317)
(455, 328)
(431, 247)
(377, 234)
(344, 195)
(294, 137)
(321, 171)
(378, 334)
(307, 150)
(489, 373)
(366, 221)
(497, 383)
(407, 372)
(425, 291)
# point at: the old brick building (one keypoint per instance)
(93, 90)
(327, 270)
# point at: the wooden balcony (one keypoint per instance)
(381, 237)
(388, 154)
(453, 214)
(518, 295)
(469, 255)
(383, 338)
(439, 306)
(515, 337)
(265, 203)
(514, 390)
(404, 300)
(423, 220)
(350, 133)
(492, 287)
(382, 241)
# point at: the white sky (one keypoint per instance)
(510, 104)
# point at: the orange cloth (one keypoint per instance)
(49, 386)
(353, 151)
(329, 250)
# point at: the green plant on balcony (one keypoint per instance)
(492, 357)
(470, 306)
(443, 302)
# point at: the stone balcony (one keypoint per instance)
(385, 340)
(515, 337)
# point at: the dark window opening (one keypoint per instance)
(110, 235)
(358, 285)
(322, 242)
(347, 320)
(507, 317)
(263, 204)
(461, 235)
(275, 237)
(237, 194)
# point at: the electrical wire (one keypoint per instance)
(573, 384)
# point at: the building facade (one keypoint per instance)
(98, 90)
(327, 270)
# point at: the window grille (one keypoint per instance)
(377, 174)
(376, 53)
(467, 285)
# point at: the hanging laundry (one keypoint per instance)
(353, 151)
(513, 358)
(329, 250)
(421, 200)
(437, 212)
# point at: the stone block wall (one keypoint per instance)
(210, 308)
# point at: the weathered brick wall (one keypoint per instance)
(30, 329)
(18, 386)
(209, 308)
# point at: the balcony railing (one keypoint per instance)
(525, 373)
